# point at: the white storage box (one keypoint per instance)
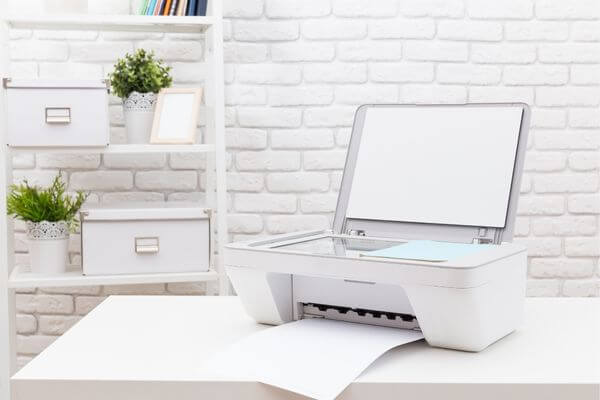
(136, 238)
(57, 113)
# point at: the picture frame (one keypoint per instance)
(176, 116)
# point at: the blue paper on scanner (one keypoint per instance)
(428, 250)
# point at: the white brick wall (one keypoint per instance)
(296, 70)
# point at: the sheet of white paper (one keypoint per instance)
(317, 358)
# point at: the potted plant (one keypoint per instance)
(137, 79)
(50, 215)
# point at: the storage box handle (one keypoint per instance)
(58, 115)
(146, 245)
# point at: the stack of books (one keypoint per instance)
(173, 7)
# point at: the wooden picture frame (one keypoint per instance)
(176, 116)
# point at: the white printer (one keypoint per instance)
(446, 173)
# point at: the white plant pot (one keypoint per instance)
(48, 246)
(66, 6)
(138, 110)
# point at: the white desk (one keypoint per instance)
(149, 347)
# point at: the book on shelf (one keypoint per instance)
(150, 9)
(201, 7)
(173, 7)
(167, 7)
(147, 10)
(181, 8)
(143, 7)
(191, 8)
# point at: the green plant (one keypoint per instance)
(139, 72)
(31, 203)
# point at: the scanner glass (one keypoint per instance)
(336, 246)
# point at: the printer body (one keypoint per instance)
(448, 173)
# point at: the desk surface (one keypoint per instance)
(151, 347)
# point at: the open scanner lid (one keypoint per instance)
(439, 172)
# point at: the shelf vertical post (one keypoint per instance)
(7, 295)
(215, 131)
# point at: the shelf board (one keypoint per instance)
(21, 277)
(119, 149)
(113, 23)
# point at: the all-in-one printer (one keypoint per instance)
(445, 173)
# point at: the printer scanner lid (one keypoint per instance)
(440, 172)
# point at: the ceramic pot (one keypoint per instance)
(138, 109)
(66, 6)
(48, 246)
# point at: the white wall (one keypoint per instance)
(297, 69)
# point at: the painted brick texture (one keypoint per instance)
(295, 72)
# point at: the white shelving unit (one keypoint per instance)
(22, 278)
(121, 148)
(16, 277)
(117, 22)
